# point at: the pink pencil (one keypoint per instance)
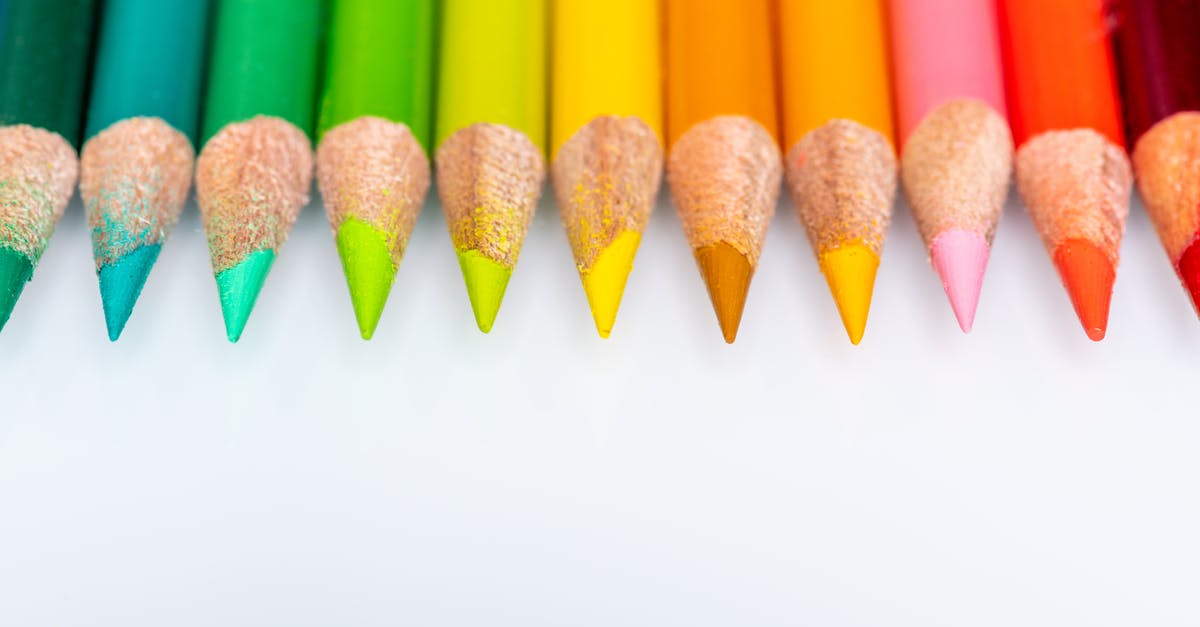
(956, 148)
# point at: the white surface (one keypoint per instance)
(1017, 476)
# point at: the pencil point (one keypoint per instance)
(486, 281)
(1088, 276)
(121, 283)
(239, 287)
(960, 258)
(604, 282)
(727, 274)
(850, 272)
(15, 271)
(1189, 272)
(367, 263)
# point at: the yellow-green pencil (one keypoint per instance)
(491, 128)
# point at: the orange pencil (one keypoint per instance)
(723, 164)
(1071, 168)
(841, 164)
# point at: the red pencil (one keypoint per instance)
(1071, 168)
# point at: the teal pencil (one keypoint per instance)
(136, 166)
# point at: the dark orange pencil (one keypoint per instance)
(1071, 168)
(723, 164)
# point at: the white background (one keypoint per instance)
(1020, 475)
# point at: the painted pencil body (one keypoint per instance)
(956, 148)
(44, 48)
(136, 166)
(1070, 165)
(723, 163)
(606, 130)
(374, 125)
(1160, 68)
(837, 119)
(254, 172)
(490, 137)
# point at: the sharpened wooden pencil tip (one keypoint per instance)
(1189, 272)
(850, 272)
(727, 275)
(1088, 276)
(15, 271)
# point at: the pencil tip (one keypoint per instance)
(604, 282)
(727, 275)
(850, 272)
(367, 263)
(1088, 276)
(15, 272)
(486, 281)
(960, 258)
(1189, 272)
(121, 283)
(239, 287)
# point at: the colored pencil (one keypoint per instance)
(143, 115)
(374, 130)
(606, 130)
(44, 48)
(1071, 169)
(841, 167)
(255, 169)
(956, 148)
(723, 163)
(491, 129)
(1159, 47)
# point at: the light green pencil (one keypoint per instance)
(374, 130)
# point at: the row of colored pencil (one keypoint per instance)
(740, 79)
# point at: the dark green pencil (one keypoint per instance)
(44, 48)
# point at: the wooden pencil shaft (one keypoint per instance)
(264, 62)
(44, 52)
(149, 62)
(1159, 46)
(380, 63)
(492, 67)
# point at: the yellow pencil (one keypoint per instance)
(606, 134)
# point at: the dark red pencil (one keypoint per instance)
(1158, 42)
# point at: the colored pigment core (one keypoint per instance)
(486, 281)
(1088, 276)
(1189, 272)
(850, 272)
(15, 271)
(238, 288)
(727, 275)
(604, 282)
(121, 283)
(367, 262)
(960, 258)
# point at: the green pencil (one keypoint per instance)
(44, 46)
(255, 169)
(372, 163)
(136, 166)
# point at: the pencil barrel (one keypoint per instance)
(380, 63)
(149, 62)
(1158, 42)
(264, 62)
(44, 54)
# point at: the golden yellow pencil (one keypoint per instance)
(841, 164)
